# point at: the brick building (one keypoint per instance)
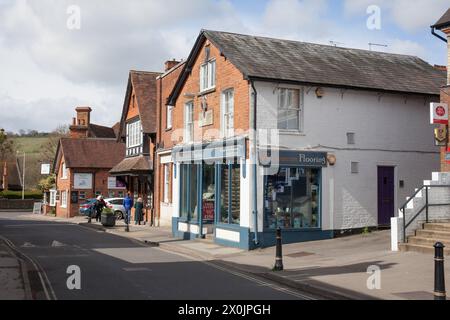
(82, 165)
(443, 25)
(332, 150)
(10, 176)
(137, 129)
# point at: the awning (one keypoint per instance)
(133, 166)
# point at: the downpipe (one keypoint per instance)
(254, 169)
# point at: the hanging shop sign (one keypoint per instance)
(439, 113)
(440, 136)
(45, 168)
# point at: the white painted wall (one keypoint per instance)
(381, 123)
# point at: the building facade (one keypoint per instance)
(82, 165)
(314, 139)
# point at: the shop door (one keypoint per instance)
(386, 192)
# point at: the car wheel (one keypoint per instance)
(119, 215)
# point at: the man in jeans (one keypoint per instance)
(128, 204)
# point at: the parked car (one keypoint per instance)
(86, 207)
(116, 204)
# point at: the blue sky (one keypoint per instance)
(48, 70)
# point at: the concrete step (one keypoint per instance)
(429, 242)
(437, 226)
(420, 248)
(433, 234)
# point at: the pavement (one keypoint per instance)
(340, 268)
(11, 276)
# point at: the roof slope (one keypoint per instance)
(97, 131)
(90, 153)
(14, 180)
(134, 164)
(261, 57)
(444, 21)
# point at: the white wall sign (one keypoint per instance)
(82, 181)
(45, 168)
(113, 183)
(439, 113)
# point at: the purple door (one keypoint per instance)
(385, 195)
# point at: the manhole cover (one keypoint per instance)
(299, 254)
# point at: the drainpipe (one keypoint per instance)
(254, 166)
(433, 32)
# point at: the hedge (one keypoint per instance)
(37, 195)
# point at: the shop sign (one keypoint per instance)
(114, 183)
(82, 181)
(440, 136)
(439, 113)
(208, 210)
(295, 158)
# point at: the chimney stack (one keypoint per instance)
(169, 64)
(80, 124)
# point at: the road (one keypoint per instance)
(113, 267)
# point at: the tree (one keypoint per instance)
(47, 184)
(7, 148)
(48, 152)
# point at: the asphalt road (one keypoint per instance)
(113, 267)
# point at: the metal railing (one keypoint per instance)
(426, 207)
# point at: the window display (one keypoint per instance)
(292, 198)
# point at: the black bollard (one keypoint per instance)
(127, 227)
(279, 252)
(439, 278)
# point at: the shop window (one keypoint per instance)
(208, 194)
(230, 204)
(189, 196)
(120, 194)
(82, 195)
(166, 183)
(292, 198)
(288, 109)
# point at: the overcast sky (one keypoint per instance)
(47, 69)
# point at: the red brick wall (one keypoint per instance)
(445, 98)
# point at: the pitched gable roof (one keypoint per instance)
(89, 153)
(144, 85)
(269, 59)
(97, 131)
(14, 179)
(443, 22)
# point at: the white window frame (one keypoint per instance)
(134, 134)
(63, 199)
(189, 122)
(52, 200)
(169, 117)
(166, 183)
(64, 171)
(227, 111)
(208, 75)
(289, 105)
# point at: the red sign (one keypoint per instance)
(208, 210)
(438, 113)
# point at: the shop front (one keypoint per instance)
(292, 197)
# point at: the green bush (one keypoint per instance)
(107, 211)
(36, 195)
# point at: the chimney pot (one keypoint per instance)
(169, 64)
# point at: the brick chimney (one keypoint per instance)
(5, 177)
(169, 64)
(80, 124)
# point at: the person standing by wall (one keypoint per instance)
(139, 206)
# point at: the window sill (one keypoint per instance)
(206, 91)
(168, 129)
(292, 132)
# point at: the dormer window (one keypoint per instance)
(134, 138)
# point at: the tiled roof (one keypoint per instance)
(96, 131)
(14, 182)
(90, 153)
(134, 164)
(261, 57)
(444, 21)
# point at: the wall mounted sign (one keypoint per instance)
(45, 168)
(82, 181)
(205, 118)
(293, 158)
(440, 136)
(438, 113)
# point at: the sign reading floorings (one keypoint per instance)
(293, 158)
(439, 113)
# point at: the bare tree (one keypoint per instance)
(7, 148)
(48, 151)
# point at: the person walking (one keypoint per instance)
(138, 209)
(99, 205)
(128, 204)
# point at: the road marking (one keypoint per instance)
(57, 244)
(40, 271)
(28, 245)
(136, 269)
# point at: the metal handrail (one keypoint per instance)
(426, 207)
